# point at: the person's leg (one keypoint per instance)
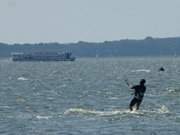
(132, 103)
(138, 104)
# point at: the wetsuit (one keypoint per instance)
(139, 91)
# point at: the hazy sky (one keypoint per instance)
(87, 20)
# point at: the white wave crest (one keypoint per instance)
(43, 117)
(173, 90)
(163, 109)
(22, 79)
(141, 70)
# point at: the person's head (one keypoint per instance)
(142, 82)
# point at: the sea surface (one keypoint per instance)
(89, 97)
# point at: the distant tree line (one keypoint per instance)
(146, 47)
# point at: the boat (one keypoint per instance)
(42, 56)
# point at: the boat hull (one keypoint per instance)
(42, 57)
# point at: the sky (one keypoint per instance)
(66, 21)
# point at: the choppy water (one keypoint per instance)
(89, 97)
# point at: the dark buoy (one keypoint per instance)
(161, 69)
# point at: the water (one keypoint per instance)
(89, 97)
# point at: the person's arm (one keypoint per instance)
(128, 84)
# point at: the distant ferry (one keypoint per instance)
(43, 56)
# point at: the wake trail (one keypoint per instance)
(80, 111)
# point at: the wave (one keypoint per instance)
(22, 79)
(5, 107)
(173, 90)
(81, 111)
(141, 70)
(43, 117)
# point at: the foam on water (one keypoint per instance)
(163, 109)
